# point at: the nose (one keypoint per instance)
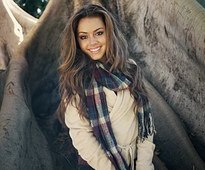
(93, 40)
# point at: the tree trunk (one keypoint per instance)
(166, 38)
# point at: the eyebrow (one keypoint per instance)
(94, 30)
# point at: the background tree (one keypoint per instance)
(202, 2)
(166, 38)
(33, 7)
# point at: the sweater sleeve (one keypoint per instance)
(83, 140)
(145, 151)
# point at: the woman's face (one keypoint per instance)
(91, 34)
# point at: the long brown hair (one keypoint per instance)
(74, 64)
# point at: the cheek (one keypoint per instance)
(104, 40)
(82, 45)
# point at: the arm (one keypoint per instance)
(84, 141)
(145, 151)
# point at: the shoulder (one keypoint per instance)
(72, 112)
(72, 103)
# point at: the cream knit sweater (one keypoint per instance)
(123, 121)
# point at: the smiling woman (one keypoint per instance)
(92, 37)
(103, 99)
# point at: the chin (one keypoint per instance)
(96, 58)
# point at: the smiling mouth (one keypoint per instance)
(94, 50)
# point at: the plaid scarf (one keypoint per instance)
(99, 116)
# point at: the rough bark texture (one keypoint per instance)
(166, 38)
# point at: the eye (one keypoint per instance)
(99, 32)
(83, 37)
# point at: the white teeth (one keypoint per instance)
(94, 49)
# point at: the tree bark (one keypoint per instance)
(166, 38)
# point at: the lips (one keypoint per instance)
(94, 50)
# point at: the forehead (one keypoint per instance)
(89, 24)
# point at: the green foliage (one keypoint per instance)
(33, 7)
(202, 2)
